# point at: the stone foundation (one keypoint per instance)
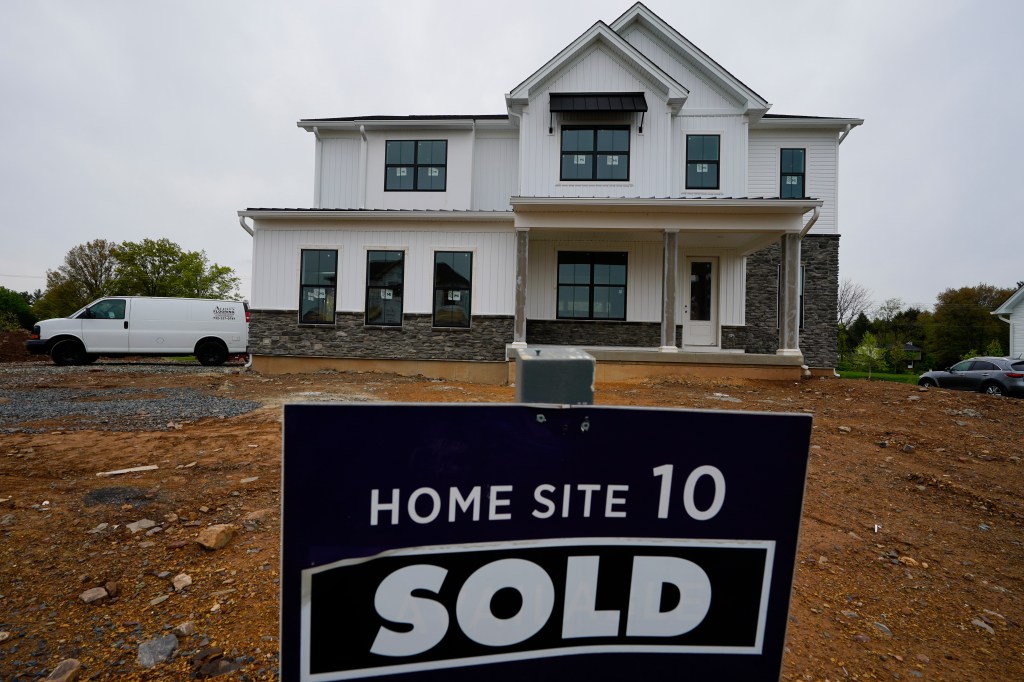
(593, 333)
(277, 332)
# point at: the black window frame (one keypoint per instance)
(594, 152)
(592, 258)
(329, 312)
(451, 290)
(415, 166)
(695, 158)
(373, 285)
(785, 174)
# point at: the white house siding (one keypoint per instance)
(495, 171)
(703, 95)
(338, 171)
(1017, 331)
(643, 272)
(820, 173)
(459, 171)
(278, 245)
(732, 180)
(594, 71)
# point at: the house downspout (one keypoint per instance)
(810, 223)
(845, 133)
(241, 221)
(363, 160)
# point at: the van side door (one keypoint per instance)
(105, 326)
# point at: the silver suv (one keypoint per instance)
(995, 376)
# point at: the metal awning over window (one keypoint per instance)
(598, 101)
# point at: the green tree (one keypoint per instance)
(161, 268)
(869, 355)
(994, 348)
(86, 274)
(14, 311)
(962, 322)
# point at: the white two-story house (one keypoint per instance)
(636, 200)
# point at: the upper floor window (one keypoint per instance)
(415, 165)
(385, 284)
(592, 285)
(453, 287)
(792, 180)
(318, 282)
(702, 157)
(595, 153)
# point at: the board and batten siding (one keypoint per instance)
(732, 165)
(643, 274)
(495, 171)
(703, 95)
(1017, 331)
(595, 70)
(338, 171)
(278, 247)
(820, 170)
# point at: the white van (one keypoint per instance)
(132, 325)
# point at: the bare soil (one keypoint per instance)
(910, 565)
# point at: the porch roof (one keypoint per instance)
(736, 225)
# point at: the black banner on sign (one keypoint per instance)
(443, 607)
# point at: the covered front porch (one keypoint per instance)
(667, 281)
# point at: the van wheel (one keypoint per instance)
(211, 353)
(68, 352)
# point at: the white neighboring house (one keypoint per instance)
(636, 200)
(1012, 312)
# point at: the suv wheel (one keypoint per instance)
(992, 389)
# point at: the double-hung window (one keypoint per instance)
(792, 162)
(595, 153)
(453, 287)
(702, 159)
(318, 281)
(385, 283)
(415, 165)
(591, 285)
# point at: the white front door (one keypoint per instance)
(700, 302)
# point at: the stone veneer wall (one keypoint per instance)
(819, 255)
(277, 332)
(593, 333)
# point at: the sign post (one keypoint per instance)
(537, 542)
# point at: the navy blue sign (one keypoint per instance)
(448, 542)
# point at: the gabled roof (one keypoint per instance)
(598, 34)
(639, 14)
(1011, 303)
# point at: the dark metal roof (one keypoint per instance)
(380, 210)
(598, 101)
(434, 117)
(822, 118)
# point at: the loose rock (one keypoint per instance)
(181, 581)
(66, 671)
(141, 524)
(157, 650)
(215, 537)
(93, 595)
(186, 629)
(983, 625)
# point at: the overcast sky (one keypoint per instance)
(131, 119)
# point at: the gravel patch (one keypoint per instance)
(27, 410)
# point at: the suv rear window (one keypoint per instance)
(1017, 366)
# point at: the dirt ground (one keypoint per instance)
(910, 565)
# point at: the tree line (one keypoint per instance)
(960, 326)
(151, 267)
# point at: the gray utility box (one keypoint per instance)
(562, 376)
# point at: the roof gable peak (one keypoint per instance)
(600, 34)
(640, 15)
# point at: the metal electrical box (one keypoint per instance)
(563, 376)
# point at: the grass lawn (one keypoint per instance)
(878, 376)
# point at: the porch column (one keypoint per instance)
(522, 269)
(789, 298)
(668, 291)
